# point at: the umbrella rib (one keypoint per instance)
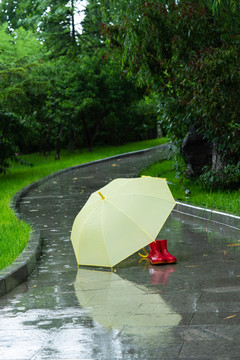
(149, 195)
(103, 233)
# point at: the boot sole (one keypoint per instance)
(163, 262)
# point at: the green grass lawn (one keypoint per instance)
(14, 234)
(227, 201)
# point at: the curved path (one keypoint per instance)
(188, 311)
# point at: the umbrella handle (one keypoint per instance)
(146, 253)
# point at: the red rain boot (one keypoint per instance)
(162, 245)
(155, 256)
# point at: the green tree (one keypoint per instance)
(58, 28)
(21, 13)
(66, 86)
(188, 54)
(20, 54)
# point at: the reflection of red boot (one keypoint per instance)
(155, 256)
(160, 275)
(162, 245)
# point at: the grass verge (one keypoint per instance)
(226, 201)
(14, 234)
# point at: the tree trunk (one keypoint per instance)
(87, 135)
(217, 162)
(58, 145)
(97, 127)
(73, 22)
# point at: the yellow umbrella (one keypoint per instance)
(119, 219)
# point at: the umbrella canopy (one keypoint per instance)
(119, 219)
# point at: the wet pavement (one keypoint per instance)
(190, 310)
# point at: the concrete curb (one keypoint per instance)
(232, 221)
(24, 264)
(20, 269)
(17, 272)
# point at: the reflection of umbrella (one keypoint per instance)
(119, 304)
(120, 219)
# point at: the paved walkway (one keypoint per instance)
(190, 310)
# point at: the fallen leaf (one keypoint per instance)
(230, 317)
(224, 252)
(192, 266)
(75, 178)
(114, 164)
(233, 244)
(238, 275)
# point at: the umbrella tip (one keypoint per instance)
(103, 197)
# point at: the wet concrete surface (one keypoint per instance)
(190, 310)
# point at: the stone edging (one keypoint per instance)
(21, 268)
(17, 272)
(232, 221)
